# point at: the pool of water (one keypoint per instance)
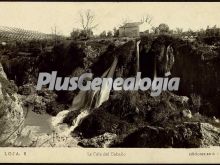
(40, 131)
(40, 121)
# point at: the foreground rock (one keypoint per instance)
(101, 141)
(186, 135)
(138, 120)
(126, 111)
(11, 112)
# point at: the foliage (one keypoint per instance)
(63, 58)
(162, 28)
(103, 34)
(87, 21)
(116, 32)
(78, 34)
(75, 34)
(109, 34)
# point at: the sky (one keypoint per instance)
(43, 16)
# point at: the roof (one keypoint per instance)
(20, 34)
(132, 24)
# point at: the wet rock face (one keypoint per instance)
(192, 62)
(71, 116)
(126, 111)
(98, 123)
(117, 115)
(199, 68)
(194, 70)
(158, 57)
(126, 60)
(11, 112)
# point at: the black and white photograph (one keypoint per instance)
(109, 75)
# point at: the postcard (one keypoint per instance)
(109, 82)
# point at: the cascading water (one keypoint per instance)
(84, 101)
(138, 55)
(51, 131)
(105, 91)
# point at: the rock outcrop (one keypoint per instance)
(193, 63)
(126, 119)
(138, 120)
(11, 112)
(101, 141)
(159, 58)
(186, 135)
(197, 65)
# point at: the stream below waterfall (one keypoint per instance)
(44, 130)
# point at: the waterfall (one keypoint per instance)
(169, 59)
(78, 120)
(138, 55)
(84, 101)
(101, 96)
(105, 91)
(87, 100)
(59, 118)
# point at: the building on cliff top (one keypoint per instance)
(134, 29)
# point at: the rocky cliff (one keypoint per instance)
(11, 112)
(198, 66)
(196, 63)
(187, 118)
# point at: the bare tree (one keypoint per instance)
(87, 20)
(146, 18)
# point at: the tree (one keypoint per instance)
(81, 34)
(189, 32)
(146, 18)
(75, 34)
(103, 34)
(109, 34)
(116, 32)
(153, 29)
(163, 28)
(87, 21)
(179, 30)
(201, 32)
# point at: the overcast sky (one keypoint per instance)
(41, 16)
